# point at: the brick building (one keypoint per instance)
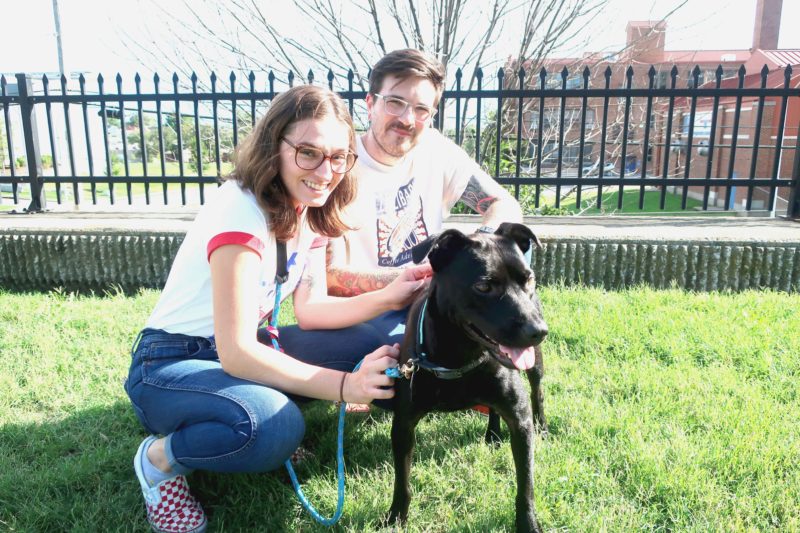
(645, 48)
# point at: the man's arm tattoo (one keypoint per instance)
(476, 197)
(352, 283)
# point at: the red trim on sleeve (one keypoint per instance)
(319, 242)
(235, 237)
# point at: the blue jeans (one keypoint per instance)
(214, 421)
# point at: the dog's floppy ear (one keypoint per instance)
(440, 249)
(420, 251)
(520, 234)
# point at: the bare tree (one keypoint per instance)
(337, 37)
(342, 35)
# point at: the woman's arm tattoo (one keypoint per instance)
(343, 282)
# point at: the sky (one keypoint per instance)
(95, 33)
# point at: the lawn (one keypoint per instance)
(588, 207)
(609, 204)
(668, 411)
(135, 169)
(630, 203)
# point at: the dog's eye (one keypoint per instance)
(483, 286)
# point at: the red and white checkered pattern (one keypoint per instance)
(173, 509)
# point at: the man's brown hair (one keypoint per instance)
(257, 162)
(408, 63)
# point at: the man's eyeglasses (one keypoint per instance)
(397, 107)
(310, 158)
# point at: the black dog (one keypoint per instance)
(477, 325)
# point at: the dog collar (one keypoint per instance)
(420, 359)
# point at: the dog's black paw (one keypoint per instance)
(492, 435)
(391, 523)
(528, 524)
(491, 438)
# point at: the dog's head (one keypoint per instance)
(484, 284)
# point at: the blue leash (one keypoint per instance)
(391, 372)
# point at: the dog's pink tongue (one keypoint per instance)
(523, 358)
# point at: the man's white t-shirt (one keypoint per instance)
(399, 206)
(231, 216)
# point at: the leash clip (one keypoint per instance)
(409, 368)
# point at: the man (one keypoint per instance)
(409, 177)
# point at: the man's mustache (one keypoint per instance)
(401, 126)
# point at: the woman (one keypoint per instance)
(203, 375)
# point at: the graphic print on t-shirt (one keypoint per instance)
(400, 225)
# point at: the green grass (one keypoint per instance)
(171, 168)
(135, 169)
(668, 411)
(588, 204)
(630, 203)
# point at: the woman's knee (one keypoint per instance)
(276, 428)
(248, 428)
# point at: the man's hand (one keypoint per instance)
(407, 285)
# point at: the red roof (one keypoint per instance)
(729, 59)
(726, 58)
(717, 57)
(783, 57)
(775, 79)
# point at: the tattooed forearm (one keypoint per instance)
(352, 283)
(476, 197)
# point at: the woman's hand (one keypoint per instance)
(369, 381)
(407, 285)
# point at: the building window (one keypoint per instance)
(702, 124)
(572, 118)
(662, 79)
(700, 79)
(575, 81)
(571, 154)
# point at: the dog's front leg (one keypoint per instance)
(403, 441)
(520, 426)
(535, 375)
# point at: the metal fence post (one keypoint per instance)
(793, 209)
(31, 135)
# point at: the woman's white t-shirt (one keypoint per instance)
(231, 216)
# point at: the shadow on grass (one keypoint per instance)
(75, 473)
(17, 287)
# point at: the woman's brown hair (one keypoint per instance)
(257, 162)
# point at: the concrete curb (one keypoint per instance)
(701, 254)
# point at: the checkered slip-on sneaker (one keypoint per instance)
(171, 508)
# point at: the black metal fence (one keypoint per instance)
(581, 142)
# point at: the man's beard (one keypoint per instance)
(396, 149)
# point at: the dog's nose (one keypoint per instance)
(535, 331)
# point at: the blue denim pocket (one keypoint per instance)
(168, 348)
(157, 348)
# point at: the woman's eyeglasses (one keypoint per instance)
(310, 158)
